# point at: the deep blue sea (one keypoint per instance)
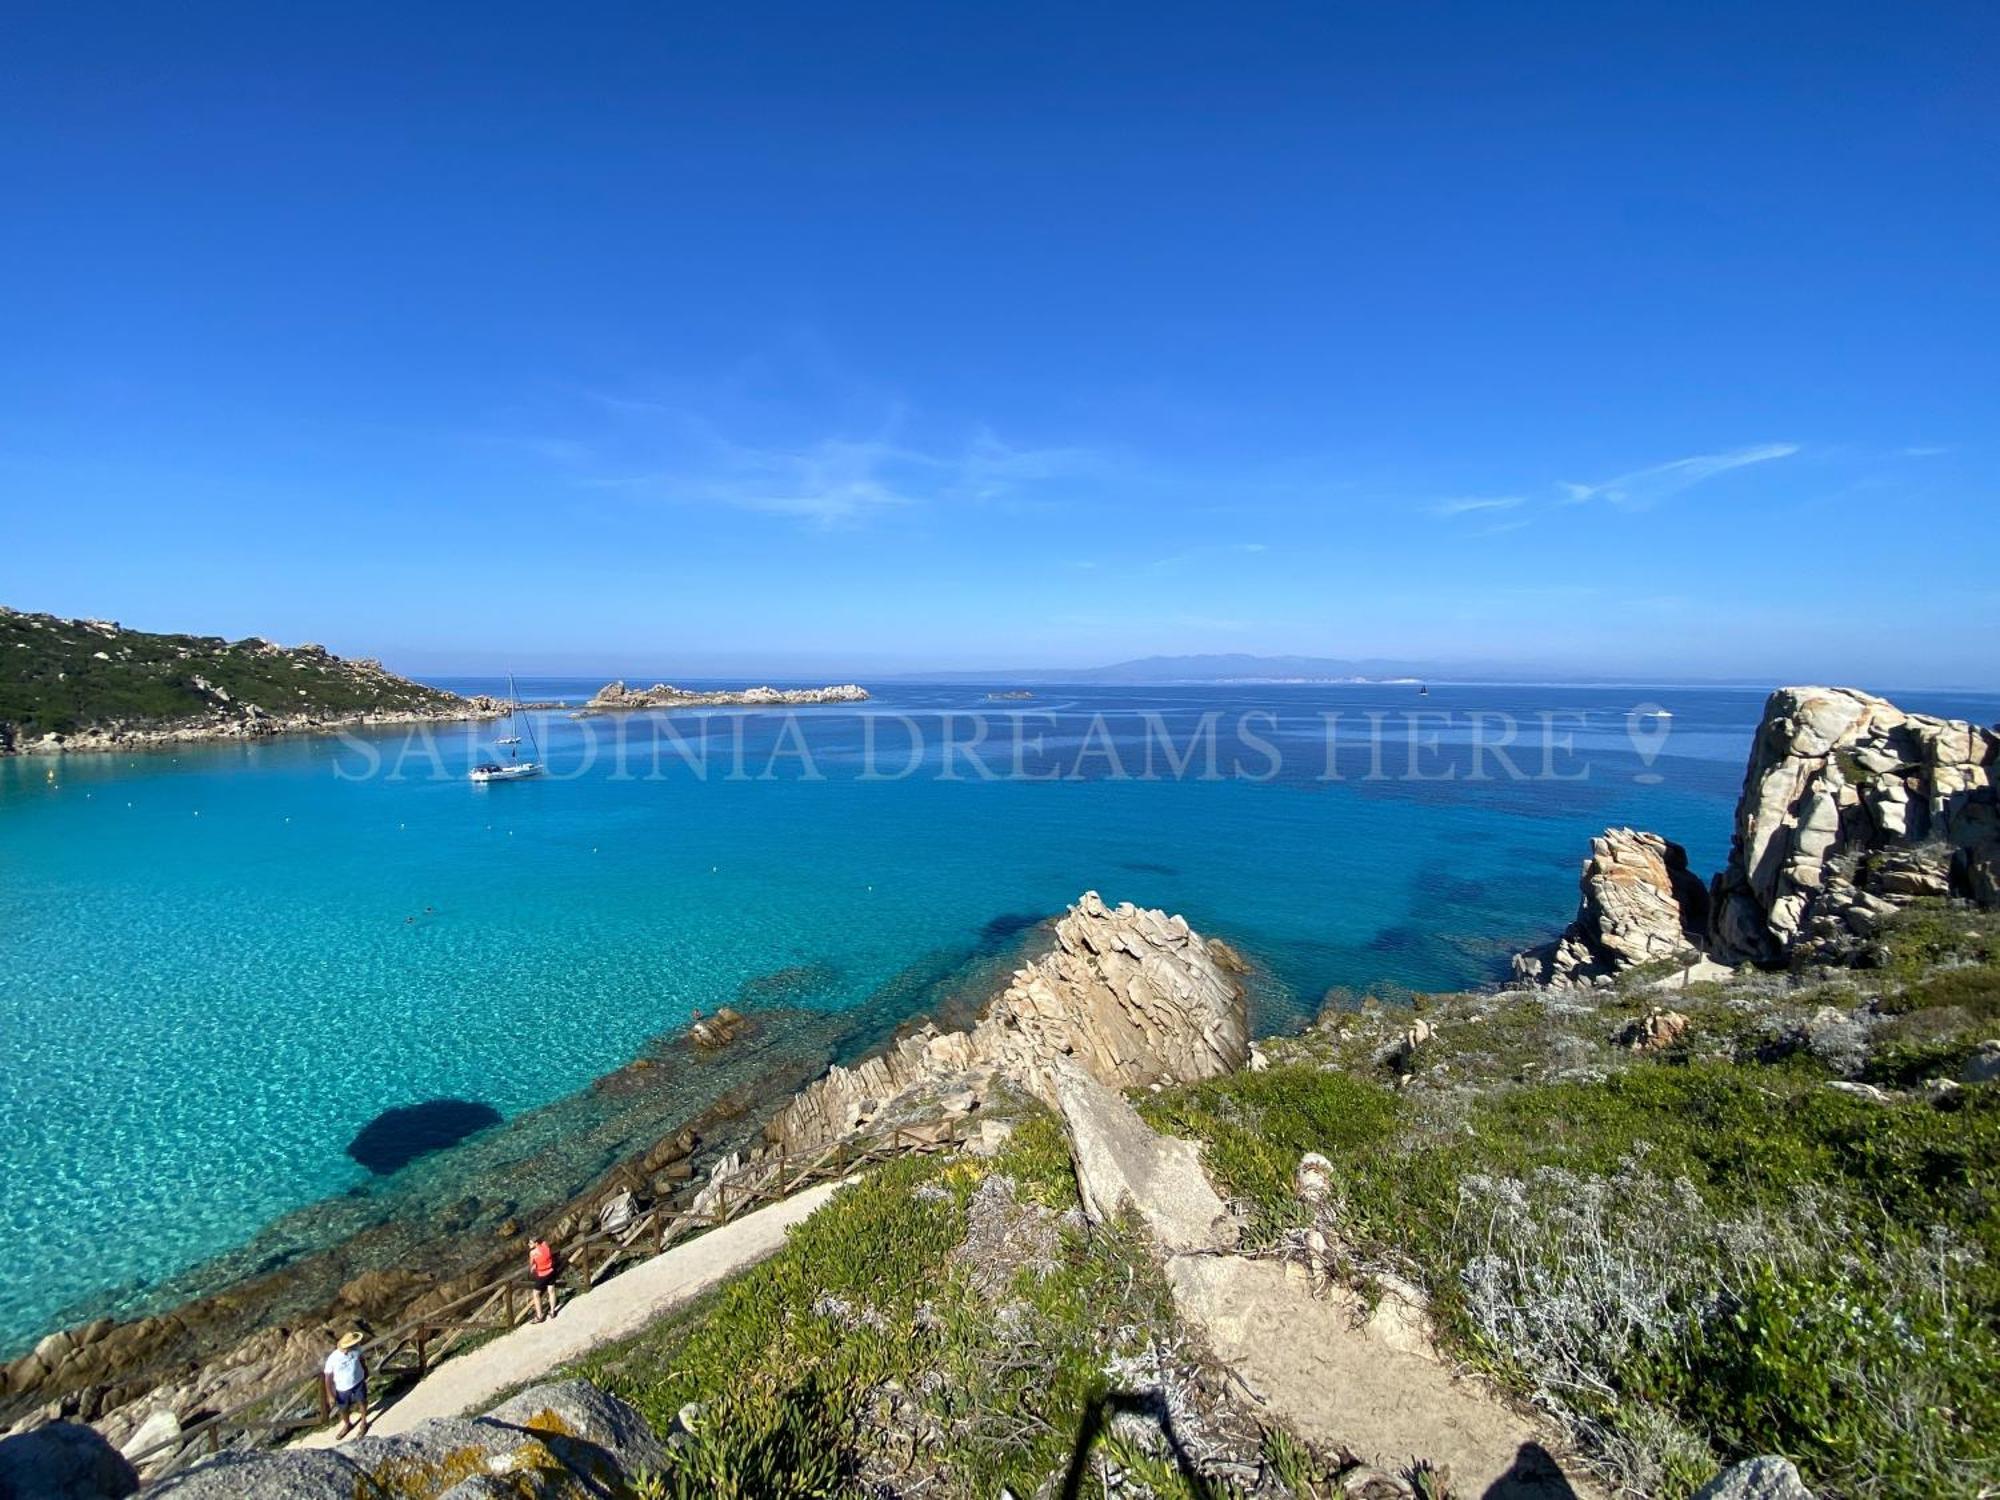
(217, 964)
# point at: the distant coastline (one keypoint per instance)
(92, 686)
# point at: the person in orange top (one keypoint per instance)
(542, 1266)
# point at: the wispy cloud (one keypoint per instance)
(1925, 451)
(1466, 505)
(1210, 553)
(675, 455)
(1647, 487)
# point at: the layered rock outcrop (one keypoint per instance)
(1850, 808)
(1131, 996)
(1639, 903)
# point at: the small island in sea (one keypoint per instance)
(615, 696)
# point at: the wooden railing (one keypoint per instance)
(411, 1348)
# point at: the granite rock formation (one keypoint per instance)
(550, 1441)
(615, 695)
(1131, 996)
(1850, 808)
(1639, 904)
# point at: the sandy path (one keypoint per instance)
(621, 1306)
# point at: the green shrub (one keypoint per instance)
(1824, 1284)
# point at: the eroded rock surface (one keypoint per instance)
(563, 1439)
(1121, 1164)
(1639, 903)
(1131, 996)
(1850, 808)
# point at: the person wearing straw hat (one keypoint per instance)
(346, 1379)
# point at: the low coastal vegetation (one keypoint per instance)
(60, 676)
(1730, 1238)
(1767, 1220)
(948, 1324)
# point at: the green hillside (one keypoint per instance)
(60, 676)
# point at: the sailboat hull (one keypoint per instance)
(519, 772)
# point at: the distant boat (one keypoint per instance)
(513, 768)
(1653, 713)
(1423, 690)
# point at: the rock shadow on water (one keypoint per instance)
(397, 1137)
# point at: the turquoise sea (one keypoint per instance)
(217, 964)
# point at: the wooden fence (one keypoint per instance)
(409, 1350)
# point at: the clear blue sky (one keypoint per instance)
(1637, 338)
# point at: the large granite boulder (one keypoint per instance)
(1639, 904)
(1850, 808)
(63, 1461)
(1767, 1478)
(563, 1441)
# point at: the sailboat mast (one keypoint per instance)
(527, 723)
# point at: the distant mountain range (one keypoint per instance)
(1235, 666)
(1241, 667)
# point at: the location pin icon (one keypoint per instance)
(1647, 726)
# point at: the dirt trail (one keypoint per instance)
(1316, 1361)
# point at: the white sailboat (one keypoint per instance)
(513, 768)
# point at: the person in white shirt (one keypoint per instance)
(346, 1379)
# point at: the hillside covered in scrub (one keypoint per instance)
(1764, 1221)
(70, 683)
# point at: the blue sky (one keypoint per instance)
(1644, 339)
